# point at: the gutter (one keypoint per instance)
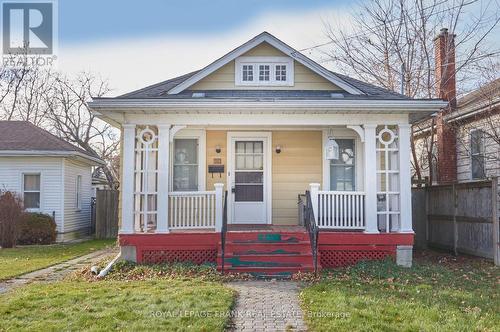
(48, 153)
(114, 104)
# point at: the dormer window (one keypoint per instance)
(280, 73)
(247, 72)
(264, 71)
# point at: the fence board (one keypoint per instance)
(456, 217)
(106, 214)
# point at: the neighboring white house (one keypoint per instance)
(50, 175)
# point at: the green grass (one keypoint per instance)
(153, 305)
(20, 260)
(434, 295)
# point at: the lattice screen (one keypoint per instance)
(146, 179)
(388, 189)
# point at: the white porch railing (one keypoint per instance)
(196, 209)
(341, 210)
(192, 209)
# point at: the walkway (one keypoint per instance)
(267, 306)
(57, 272)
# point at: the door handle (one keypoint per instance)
(233, 190)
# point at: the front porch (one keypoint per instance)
(185, 185)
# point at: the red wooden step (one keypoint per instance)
(267, 237)
(279, 259)
(268, 248)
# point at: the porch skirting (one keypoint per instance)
(335, 249)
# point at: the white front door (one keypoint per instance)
(248, 177)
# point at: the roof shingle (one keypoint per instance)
(24, 136)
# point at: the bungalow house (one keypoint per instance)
(50, 175)
(228, 163)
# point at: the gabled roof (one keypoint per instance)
(278, 44)
(160, 90)
(22, 137)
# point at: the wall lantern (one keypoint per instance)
(218, 149)
(278, 148)
(331, 148)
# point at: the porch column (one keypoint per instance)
(313, 190)
(405, 178)
(219, 206)
(128, 149)
(371, 223)
(163, 177)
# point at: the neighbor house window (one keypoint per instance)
(79, 192)
(264, 71)
(186, 164)
(247, 73)
(477, 154)
(342, 170)
(31, 191)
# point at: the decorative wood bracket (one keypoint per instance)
(359, 130)
(174, 131)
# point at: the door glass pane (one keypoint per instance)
(248, 193)
(249, 175)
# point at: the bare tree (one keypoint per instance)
(391, 44)
(74, 122)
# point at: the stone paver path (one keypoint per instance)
(57, 272)
(267, 306)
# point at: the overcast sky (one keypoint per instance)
(136, 43)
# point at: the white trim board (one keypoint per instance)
(278, 44)
(267, 135)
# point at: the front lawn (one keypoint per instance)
(172, 305)
(129, 299)
(440, 293)
(20, 260)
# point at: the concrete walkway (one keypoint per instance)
(57, 272)
(267, 306)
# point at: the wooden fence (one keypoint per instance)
(106, 214)
(460, 217)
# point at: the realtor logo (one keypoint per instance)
(28, 32)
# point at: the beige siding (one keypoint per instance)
(298, 165)
(223, 78)
(215, 138)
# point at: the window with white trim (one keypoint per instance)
(247, 73)
(79, 192)
(343, 170)
(477, 154)
(31, 191)
(186, 164)
(264, 71)
(280, 71)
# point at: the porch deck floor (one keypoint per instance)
(265, 228)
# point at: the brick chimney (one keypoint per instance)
(444, 45)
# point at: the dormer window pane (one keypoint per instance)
(247, 73)
(280, 73)
(264, 71)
